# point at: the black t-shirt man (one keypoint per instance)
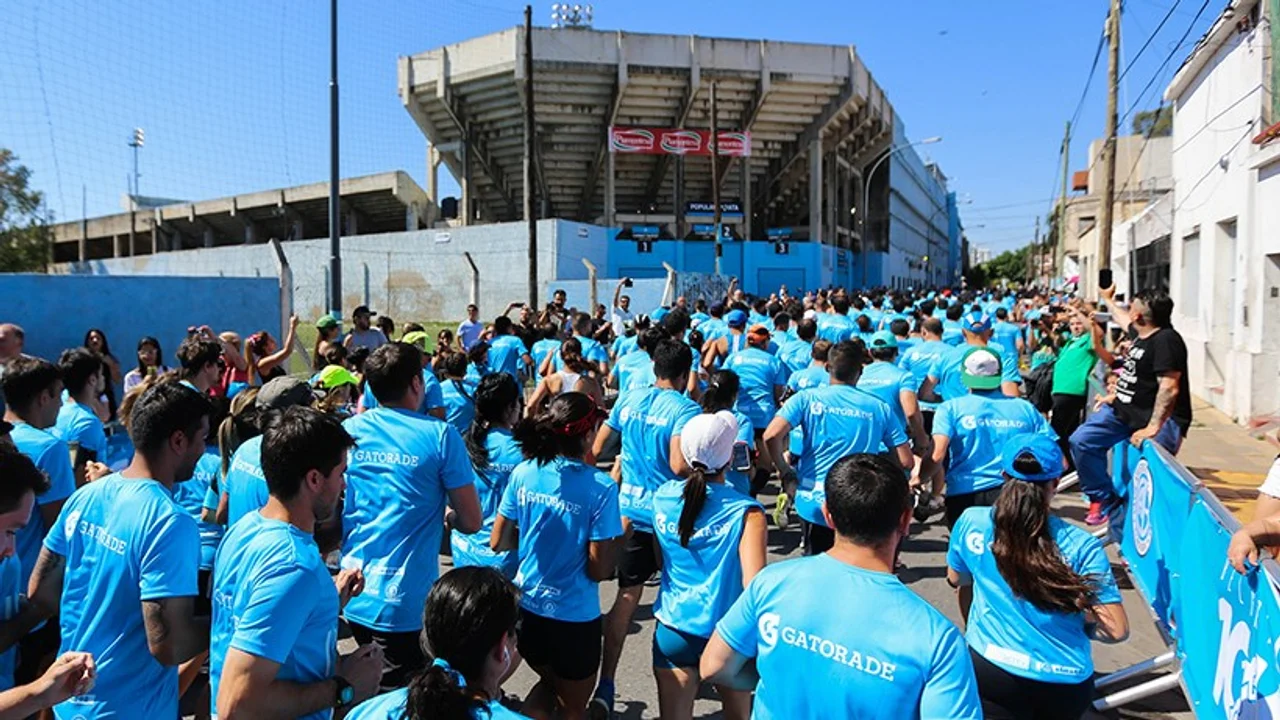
(1161, 352)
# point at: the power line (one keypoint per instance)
(1150, 38)
(1168, 58)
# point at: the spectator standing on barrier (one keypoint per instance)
(792, 610)
(621, 312)
(1034, 591)
(363, 334)
(1071, 371)
(1152, 399)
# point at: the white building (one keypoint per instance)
(1225, 246)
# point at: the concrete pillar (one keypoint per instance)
(677, 202)
(250, 232)
(433, 174)
(816, 186)
(464, 203)
(155, 238)
(411, 217)
(207, 236)
(610, 190)
(744, 185)
(117, 245)
(82, 246)
(352, 223)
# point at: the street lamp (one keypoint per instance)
(866, 196)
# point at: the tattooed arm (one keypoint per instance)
(1166, 398)
(44, 591)
(174, 634)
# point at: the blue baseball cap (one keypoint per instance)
(658, 314)
(1040, 448)
(736, 318)
(976, 322)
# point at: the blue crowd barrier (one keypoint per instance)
(1224, 626)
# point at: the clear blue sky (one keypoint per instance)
(233, 93)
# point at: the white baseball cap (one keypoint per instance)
(707, 440)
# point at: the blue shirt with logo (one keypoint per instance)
(835, 328)
(505, 353)
(491, 483)
(125, 541)
(273, 598)
(1009, 631)
(244, 484)
(796, 355)
(758, 374)
(948, 370)
(625, 345)
(541, 350)
(560, 509)
(398, 479)
(952, 333)
(837, 420)
(647, 419)
(77, 423)
(978, 426)
(633, 371)
(459, 403)
(887, 381)
(390, 706)
(713, 329)
(808, 378)
(432, 396)
(699, 582)
(53, 458)
(819, 657)
(191, 494)
(1007, 334)
(919, 360)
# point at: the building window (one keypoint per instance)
(1190, 273)
(1149, 267)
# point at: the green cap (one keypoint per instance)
(980, 369)
(325, 322)
(883, 339)
(335, 376)
(417, 337)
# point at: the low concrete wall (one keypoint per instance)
(645, 293)
(409, 276)
(57, 310)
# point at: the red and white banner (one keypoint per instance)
(672, 141)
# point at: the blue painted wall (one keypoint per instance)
(56, 311)
(759, 268)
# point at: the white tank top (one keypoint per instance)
(568, 381)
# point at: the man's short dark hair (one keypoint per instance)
(900, 328)
(676, 322)
(1160, 306)
(672, 359)
(932, 325)
(806, 329)
(297, 441)
(821, 350)
(866, 495)
(194, 353)
(781, 320)
(1002, 313)
(161, 411)
(390, 370)
(455, 364)
(21, 476)
(502, 325)
(840, 304)
(25, 378)
(955, 312)
(78, 367)
(846, 359)
(582, 325)
(649, 339)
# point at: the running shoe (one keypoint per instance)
(929, 507)
(601, 705)
(781, 512)
(1095, 516)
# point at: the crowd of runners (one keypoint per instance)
(255, 515)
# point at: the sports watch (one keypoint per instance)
(345, 694)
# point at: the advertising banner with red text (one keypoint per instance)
(672, 141)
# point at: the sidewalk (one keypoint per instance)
(1226, 457)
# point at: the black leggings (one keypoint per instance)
(1068, 413)
(1006, 696)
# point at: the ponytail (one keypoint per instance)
(695, 497)
(722, 391)
(241, 424)
(571, 355)
(494, 397)
(1027, 556)
(439, 691)
(564, 428)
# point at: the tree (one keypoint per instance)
(1154, 123)
(1008, 265)
(26, 241)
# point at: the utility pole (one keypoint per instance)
(335, 221)
(529, 216)
(1060, 242)
(1038, 254)
(1106, 216)
(715, 186)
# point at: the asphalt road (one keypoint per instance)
(924, 557)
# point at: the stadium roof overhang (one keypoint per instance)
(792, 97)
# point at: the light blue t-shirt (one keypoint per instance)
(887, 381)
(592, 352)
(244, 484)
(796, 355)
(505, 352)
(919, 360)
(828, 641)
(807, 379)
(560, 508)
(835, 328)
(952, 333)
(541, 350)
(125, 541)
(11, 593)
(390, 706)
(432, 397)
(53, 458)
(1007, 334)
(948, 370)
(459, 397)
(699, 582)
(624, 346)
(398, 478)
(191, 495)
(78, 423)
(633, 371)
(1008, 630)
(713, 329)
(747, 436)
(647, 419)
(273, 598)
(491, 483)
(758, 374)
(978, 426)
(838, 421)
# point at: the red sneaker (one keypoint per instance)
(1095, 516)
